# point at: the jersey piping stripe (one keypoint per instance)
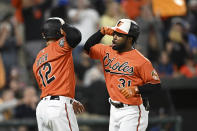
(118, 73)
(68, 117)
(139, 118)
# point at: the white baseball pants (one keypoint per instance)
(128, 118)
(56, 115)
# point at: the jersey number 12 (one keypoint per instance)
(46, 74)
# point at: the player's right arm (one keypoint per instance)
(92, 46)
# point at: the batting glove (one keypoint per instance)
(128, 92)
(107, 31)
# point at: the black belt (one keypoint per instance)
(117, 105)
(52, 98)
(55, 98)
(121, 105)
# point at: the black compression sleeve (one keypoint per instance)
(93, 40)
(73, 35)
(148, 89)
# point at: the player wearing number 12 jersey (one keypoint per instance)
(54, 72)
(129, 76)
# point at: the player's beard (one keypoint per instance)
(119, 47)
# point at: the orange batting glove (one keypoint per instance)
(128, 92)
(107, 31)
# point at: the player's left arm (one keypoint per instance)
(71, 38)
(151, 79)
(72, 35)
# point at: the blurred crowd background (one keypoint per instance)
(168, 39)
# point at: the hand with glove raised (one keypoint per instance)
(107, 31)
(130, 91)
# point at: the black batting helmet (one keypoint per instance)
(128, 27)
(51, 28)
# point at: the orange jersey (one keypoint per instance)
(54, 70)
(124, 69)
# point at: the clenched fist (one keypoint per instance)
(130, 91)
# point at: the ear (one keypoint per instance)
(130, 39)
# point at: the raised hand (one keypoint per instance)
(107, 31)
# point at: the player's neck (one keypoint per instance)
(126, 49)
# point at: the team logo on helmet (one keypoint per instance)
(119, 23)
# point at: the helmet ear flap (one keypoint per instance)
(134, 32)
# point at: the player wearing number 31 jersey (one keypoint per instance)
(54, 72)
(129, 76)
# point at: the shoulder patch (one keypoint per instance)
(61, 43)
(154, 75)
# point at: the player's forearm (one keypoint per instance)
(148, 89)
(93, 40)
(73, 35)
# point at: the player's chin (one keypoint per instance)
(114, 46)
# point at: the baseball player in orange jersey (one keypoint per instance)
(129, 76)
(54, 72)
